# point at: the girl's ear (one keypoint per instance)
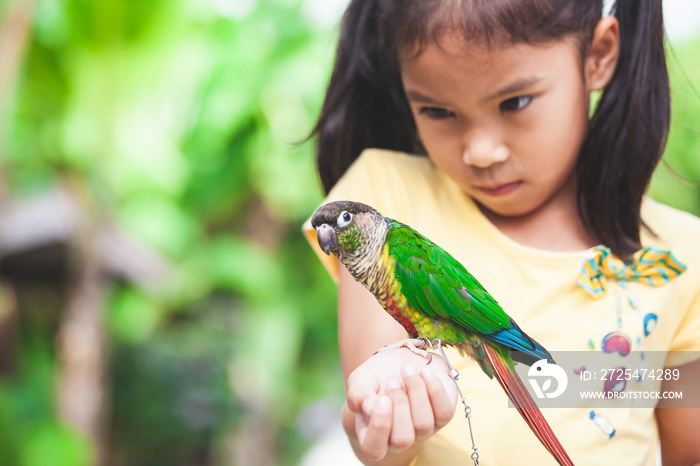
(601, 61)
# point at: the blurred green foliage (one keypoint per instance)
(677, 181)
(182, 119)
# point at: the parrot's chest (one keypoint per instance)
(382, 284)
(416, 323)
(398, 308)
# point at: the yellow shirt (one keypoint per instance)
(538, 289)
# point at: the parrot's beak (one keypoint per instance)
(326, 238)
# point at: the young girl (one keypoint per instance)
(517, 178)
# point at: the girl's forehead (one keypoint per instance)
(448, 42)
(453, 42)
(453, 51)
(442, 74)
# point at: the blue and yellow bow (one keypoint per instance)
(652, 266)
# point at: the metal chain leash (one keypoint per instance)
(454, 375)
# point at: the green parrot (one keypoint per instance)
(433, 297)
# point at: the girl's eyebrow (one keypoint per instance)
(513, 88)
(516, 86)
(415, 96)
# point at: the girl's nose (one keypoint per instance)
(483, 150)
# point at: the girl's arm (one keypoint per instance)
(394, 401)
(363, 326)
(679, 420)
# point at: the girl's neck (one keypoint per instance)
(555, 226)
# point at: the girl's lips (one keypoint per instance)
(501, 190)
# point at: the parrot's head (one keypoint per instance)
(352, 231)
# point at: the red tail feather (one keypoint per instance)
(520, 397)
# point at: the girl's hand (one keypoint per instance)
(395, 402)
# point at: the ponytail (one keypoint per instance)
(365, 105)
(627, 132)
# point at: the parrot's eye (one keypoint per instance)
(344, 219)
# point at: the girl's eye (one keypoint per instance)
(516, 103)
(344, 219)
(436, 113)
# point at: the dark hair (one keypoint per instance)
(628, 131)
(365, 105)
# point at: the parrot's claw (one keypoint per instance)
(414, 345)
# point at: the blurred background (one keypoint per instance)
(158, 304)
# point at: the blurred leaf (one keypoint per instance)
(55, 445)
(160, 222)
(268, 351)
(246, 268)
(133, 316)
(9, 442)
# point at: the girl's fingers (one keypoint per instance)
(443, 406)
(359, 390)
(395, 418)
(373, 431)
(402, 432)
(421, 410)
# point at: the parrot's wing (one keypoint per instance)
(436, 284)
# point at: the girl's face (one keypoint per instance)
(505, 123)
